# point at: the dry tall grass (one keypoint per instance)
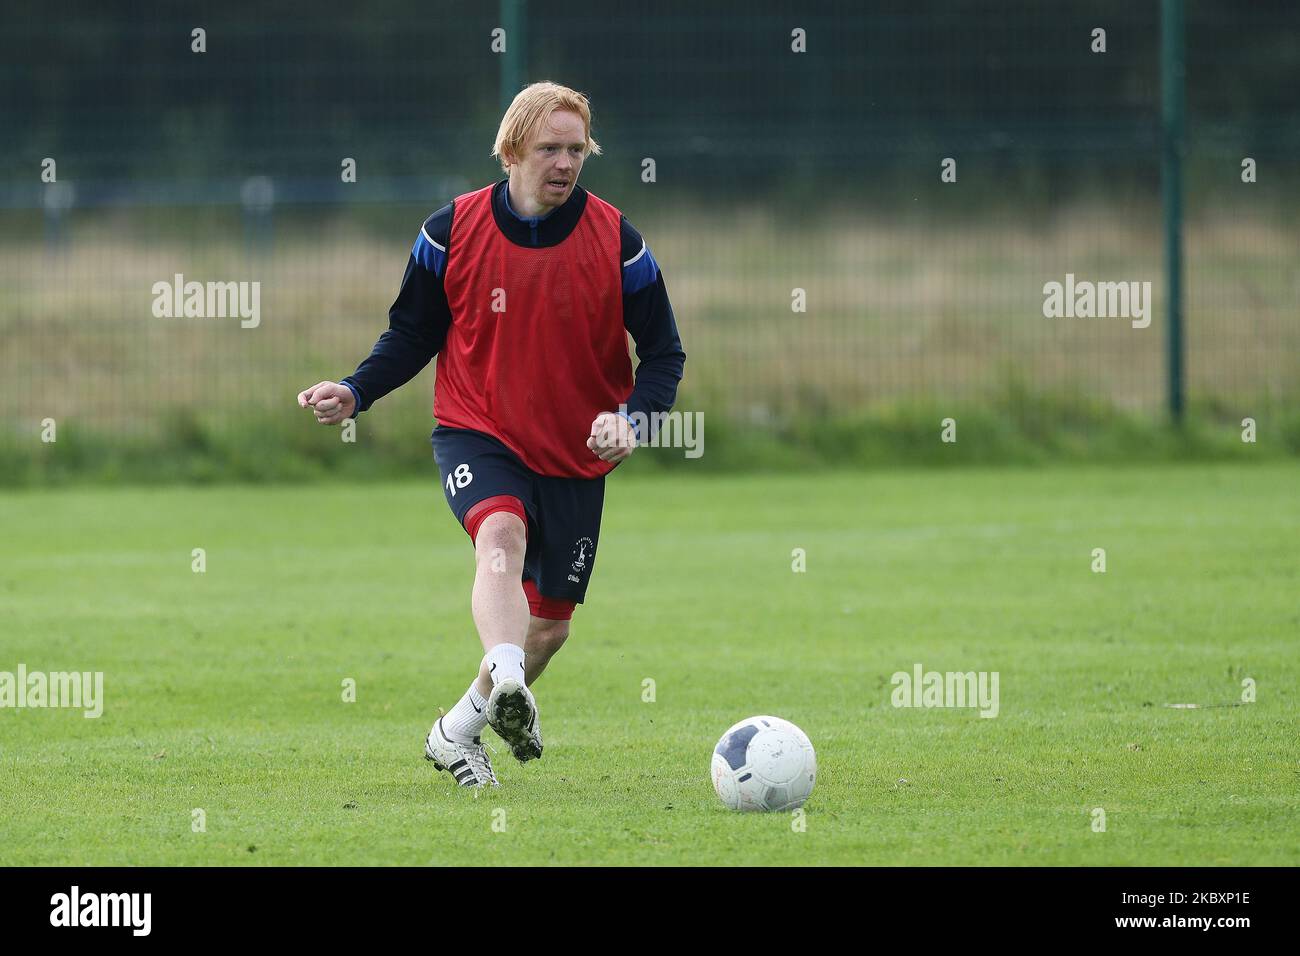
(895, 310)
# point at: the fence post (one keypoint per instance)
(1172, 112)
(512, 61)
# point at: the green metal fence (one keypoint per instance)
(857, 209)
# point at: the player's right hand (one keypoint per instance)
(330, 401)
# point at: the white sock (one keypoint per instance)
(467, 719)
(505, 660)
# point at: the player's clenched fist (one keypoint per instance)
(330, 401)
(612, 437)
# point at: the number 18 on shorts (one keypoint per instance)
(481, 475)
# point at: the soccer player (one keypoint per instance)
(525, 290)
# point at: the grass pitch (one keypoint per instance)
(224, 689)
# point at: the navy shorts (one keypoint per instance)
(563, 514)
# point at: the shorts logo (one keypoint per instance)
(583, 551)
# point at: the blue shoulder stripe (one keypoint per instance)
(639, 271)
(430, 249)
(429, 254)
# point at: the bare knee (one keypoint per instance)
(501, 538)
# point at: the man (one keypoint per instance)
(526, 291)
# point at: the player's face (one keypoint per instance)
(549, 168)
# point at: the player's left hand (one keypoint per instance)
(612, 437)
(331, 402)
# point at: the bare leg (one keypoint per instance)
(499, 605)
(545, 637)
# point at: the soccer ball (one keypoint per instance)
(764, 763)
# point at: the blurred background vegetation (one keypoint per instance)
(774, 170)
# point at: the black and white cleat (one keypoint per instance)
(512, 713)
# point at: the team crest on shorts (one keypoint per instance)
(583, 552)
